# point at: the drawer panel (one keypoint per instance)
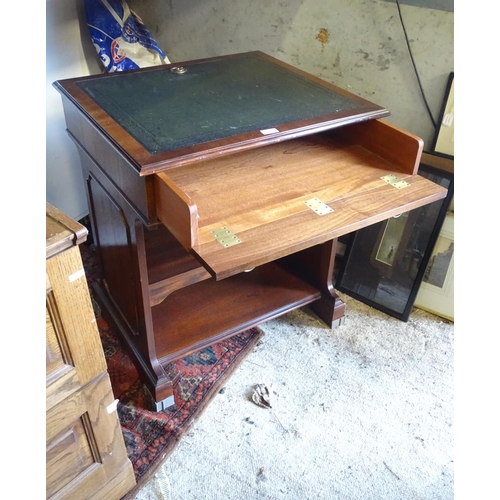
(68, 455)
(260, 195)
(84, 445)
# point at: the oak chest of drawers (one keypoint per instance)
(86, 456)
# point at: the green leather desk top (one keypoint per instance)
(211, 100)
(223, 102)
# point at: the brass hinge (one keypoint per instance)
(395, 181)
(225, 237)
(318, 206)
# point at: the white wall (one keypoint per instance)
(362, 50)
(358, 45)
(69, 53)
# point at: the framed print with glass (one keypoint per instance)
(384, 264)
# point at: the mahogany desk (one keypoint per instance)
(217, 190)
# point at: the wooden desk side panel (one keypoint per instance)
(388, 141)
(122, 289)
(115, 238)
(139, 191)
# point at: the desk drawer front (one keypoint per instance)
(263, 196)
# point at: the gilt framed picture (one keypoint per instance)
(383, 265)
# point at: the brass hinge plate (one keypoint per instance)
(225, 237)
(395, 181)
(318, 206)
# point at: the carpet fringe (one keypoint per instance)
(164, 484)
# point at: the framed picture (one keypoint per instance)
(443, 142)
(383, 265)
(391, 239)
(436, 293)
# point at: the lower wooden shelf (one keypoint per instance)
(204, 313)
(187, 312)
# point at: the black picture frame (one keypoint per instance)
(383, 265)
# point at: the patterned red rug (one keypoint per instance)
(150, 437)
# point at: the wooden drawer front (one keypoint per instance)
(260, 195)
(85, 447)
(73, 348)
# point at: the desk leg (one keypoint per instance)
(158, 385)
(316, 264)
(330, 308)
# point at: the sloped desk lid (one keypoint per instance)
(160, 117)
